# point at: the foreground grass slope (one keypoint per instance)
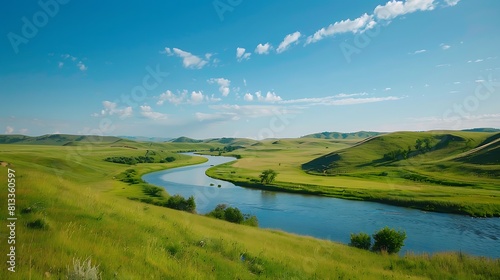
(453, 171)
(75, 209)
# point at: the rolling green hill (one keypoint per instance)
(184, 139)
(339, 135)
(400, 149)
(57, 139)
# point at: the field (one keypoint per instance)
(453, 175)
(71, 205)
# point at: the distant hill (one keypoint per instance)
(482, 130)
(340, 135)
(232, 141)
(146, 139)
(184, 139)
(399, 149)
(57, 139)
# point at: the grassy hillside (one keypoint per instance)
(452, 171)
(70, 206)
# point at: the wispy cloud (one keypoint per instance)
(451, 2)
(418, 51)
(148, 112)
(110, 109)
(445, 47)
(9, 130)
(241, 54)
(339, 100)
(360, 24)
(289, 39)
(184, 97)
(189, 60)
(393, 9)
(78, 62)
(172, 98)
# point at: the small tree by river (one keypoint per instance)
(267, 176)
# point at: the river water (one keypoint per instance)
(332, 218)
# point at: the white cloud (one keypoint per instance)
(197, 97)
(418, 51)
(343, 95)
(189, 60)
(241, 54)
(340, 99)
(443, 65)
(110, 108)
(23, 130)
(223, 85)
(244, 82)
(248, 97)
(81, 66)
(456, 83)
(171, 97)
(393, 8)
(287, 41)
(263, 49)
(148, 112)
(387, 89)
(452, 2)
(360, 24)
(269, 97)
(444, 47)
(9, 130)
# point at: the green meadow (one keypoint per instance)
(72, 205)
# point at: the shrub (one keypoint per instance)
(37, 224)
(388, 240)
(180, 203)
(361, 240)
(169, 159)
(233, 215)
(153, 190)
(83, 270)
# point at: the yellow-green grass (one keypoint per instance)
(446, 186)
(87, 216)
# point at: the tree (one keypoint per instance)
(418, 144)
(388, 240)
(361, 240)
(233, 215)
(267, 176)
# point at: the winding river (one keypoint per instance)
(332, 218)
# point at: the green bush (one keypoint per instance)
(180, 203)
(233, 215)
(388, 240)
(361, 240)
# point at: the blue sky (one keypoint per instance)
(240, 68)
